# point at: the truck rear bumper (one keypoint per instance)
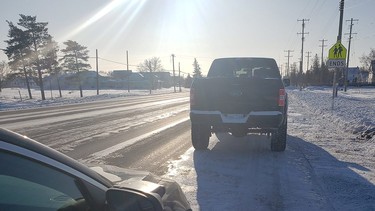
(254, 119)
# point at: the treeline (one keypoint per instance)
(32, 52)
(320, 75)
(317, 75)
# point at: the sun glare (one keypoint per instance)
(134, 8)
(182, 23)
(107, 9)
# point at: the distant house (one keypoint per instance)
(165, 78)
(354, 74)
(161, 79)
(137, 77)
(20, 82)
(117, 79)
(364, 76)
(121, 74)
(371, 78)
(124, 79)
(70, 80)
(156, 82)
(89, 79)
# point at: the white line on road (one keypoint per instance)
(130, 142)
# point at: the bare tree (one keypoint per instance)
(50, 62)
(151, 65)
(366, 60)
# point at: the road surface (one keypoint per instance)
(142, 132)
(152, 133)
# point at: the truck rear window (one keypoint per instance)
(244, 67)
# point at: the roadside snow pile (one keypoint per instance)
(354, 110)
(14, 99)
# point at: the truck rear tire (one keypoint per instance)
(278, 139)
(200, 136)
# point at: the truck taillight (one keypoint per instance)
(192, 97)
(281, 97)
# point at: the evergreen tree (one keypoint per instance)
(293, 74)
(188, 81)
(308, 78)
(75, 60)
(316, 71)
(37, 33)
(197, 69)
(18, 52)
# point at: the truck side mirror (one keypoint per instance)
(126, 199)
(286, 81)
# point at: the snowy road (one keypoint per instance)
(105, 131)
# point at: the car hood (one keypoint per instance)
(170, 191)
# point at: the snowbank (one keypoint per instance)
(13, 99)
(354, 110)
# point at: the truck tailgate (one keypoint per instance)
(237, 95)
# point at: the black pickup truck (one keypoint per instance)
(239, 96)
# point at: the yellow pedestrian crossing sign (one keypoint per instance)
(337, 52)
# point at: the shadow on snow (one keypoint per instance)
(243, 174)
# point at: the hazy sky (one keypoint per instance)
(205, 29)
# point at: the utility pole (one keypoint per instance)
(303, 40)
(323, 40)
(281, 69)
(179, 77)
(341, 20)
(97, 73)
(308, 59)
(338, 40)
(79, 75)
(347, 61)
(127, 69)
(174, 75)
(288, 68)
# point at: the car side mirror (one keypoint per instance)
(126, 199)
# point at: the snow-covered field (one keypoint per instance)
(12, 98)
(329, 163)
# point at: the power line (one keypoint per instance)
(107, 60)
(117, 62)
(174, 75)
